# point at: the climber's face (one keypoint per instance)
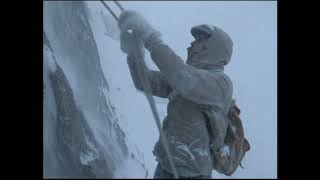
(197, 43)
(212, 47)
(197, 46)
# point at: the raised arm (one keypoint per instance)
(194, 84)
(198, 85)
(158, 83)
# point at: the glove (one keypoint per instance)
(139, 25)
(131, 45)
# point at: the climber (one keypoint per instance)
(193, 87)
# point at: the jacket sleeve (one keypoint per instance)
(197, 85)
(158, 83)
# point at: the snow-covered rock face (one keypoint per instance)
(81, 134)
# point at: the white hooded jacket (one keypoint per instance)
(193, 88)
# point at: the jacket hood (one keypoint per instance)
(216, 51)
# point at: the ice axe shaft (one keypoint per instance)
(119, 5)
(142, 72)
(114, 14)
(110, 11)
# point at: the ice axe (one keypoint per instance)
(147, 91)
(113, 14)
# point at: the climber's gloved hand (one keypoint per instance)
(131, 45)
(132, 23)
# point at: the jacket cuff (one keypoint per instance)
(153, 41)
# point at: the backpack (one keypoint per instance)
(238, 145)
